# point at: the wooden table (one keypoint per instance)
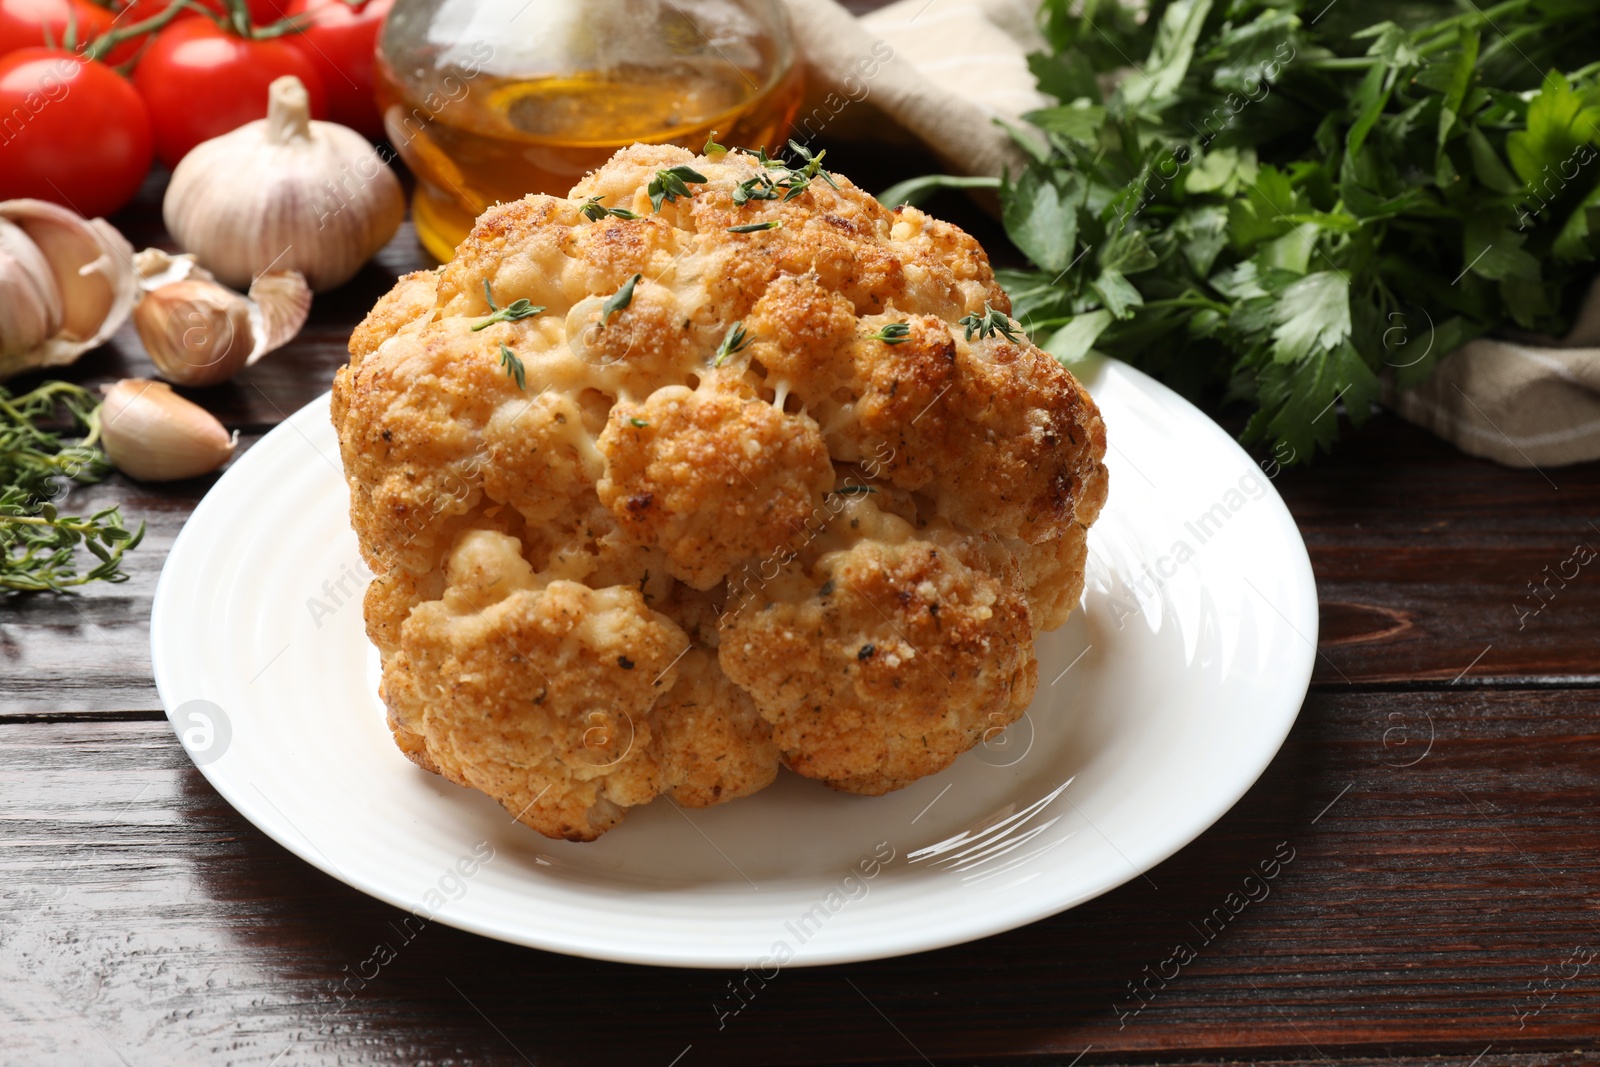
(1438, 795)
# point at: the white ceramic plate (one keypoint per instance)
(1159, 704)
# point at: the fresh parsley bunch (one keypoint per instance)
(1282, 202)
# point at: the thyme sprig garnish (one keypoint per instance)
(38, 545)
(988, 324)
(733, 343)
(513, 366)
(619, 300)
(713, 147)
(758, 188)
(637, 423)
(756, 227)
(594, 211)
(778, 176)
(892, 333)
(513, 312)
(672, 183)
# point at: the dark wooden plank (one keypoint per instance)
(1428, 562)
(1420, 905)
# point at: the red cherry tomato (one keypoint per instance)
(200, 82)
(78, 134)
(340, 39)
(49, 23)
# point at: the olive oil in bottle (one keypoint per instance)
(475, 135)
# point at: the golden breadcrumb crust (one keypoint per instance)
(655, 506)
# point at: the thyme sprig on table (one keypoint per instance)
(38, 545)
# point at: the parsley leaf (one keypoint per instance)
(1279, 203)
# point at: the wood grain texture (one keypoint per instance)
(1416, 907)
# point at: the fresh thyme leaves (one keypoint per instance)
(777, 176)
(713, 146)
(813, 164)
(756, 227)
(988, 324)
(38, 545)
(672, 183)
(520, 309)
(513, 366)
(734, 342)
(758, 188)
(638, 423)
(618, 300)
(893, 333)
(1286, 203)
(594, 211)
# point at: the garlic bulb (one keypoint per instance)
(285, 193)
(155, 435)
(199, 332)
(66, 284)
(30, 306)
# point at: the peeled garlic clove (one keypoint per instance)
(92, 264)
(282, 302)
(155, 435)
(196, 332)
(30, 305)
(284, 193)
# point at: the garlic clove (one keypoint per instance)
(196, 331)
(284, 193)
(199, 332)
(282, 302)
(93, 268)
(30, 304)
(155, 435)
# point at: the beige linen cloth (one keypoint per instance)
(954, 66)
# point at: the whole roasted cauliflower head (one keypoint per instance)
(715, 465)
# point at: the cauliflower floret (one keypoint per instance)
(539, 696)
(656, 503)
(895, 656)
(711, 743)
(711, 476)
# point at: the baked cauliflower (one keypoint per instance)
(715, 465)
